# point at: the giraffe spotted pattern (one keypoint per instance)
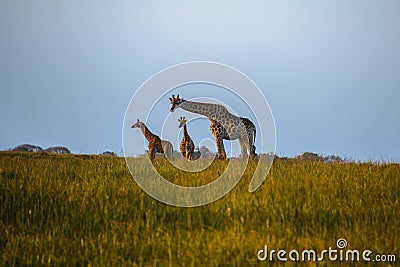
(223, 125)
(187, 145)
(156, 145)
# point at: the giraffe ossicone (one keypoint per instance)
(223, 125)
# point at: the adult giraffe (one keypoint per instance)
(223, 125)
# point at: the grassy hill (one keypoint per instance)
(87, 210)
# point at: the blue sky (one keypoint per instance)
(329, 69)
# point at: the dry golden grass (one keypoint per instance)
(87, 210)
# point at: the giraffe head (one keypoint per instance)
(175, 102)
(182, 121)
(138, 124)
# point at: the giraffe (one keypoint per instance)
(250, 130)
(223, 125)
(156, 145)
(186, 146)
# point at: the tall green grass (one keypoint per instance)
(87, 210)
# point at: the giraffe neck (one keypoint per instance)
(147, 133)
(185, 133)
(206, 109)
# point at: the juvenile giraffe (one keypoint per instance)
(156, 145)
(186, 146)
(223, 125)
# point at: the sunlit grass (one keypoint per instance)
(87, 210)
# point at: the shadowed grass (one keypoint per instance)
(87, 210)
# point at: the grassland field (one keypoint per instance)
(87, 210)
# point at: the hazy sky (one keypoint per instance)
(329, 69)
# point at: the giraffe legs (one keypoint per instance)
(168, 150)
(216, 130)
(243, 148)
(247, 148)
(221, 148)
(187, 154)
(252, 147)
(152, 152)
(247, 142)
